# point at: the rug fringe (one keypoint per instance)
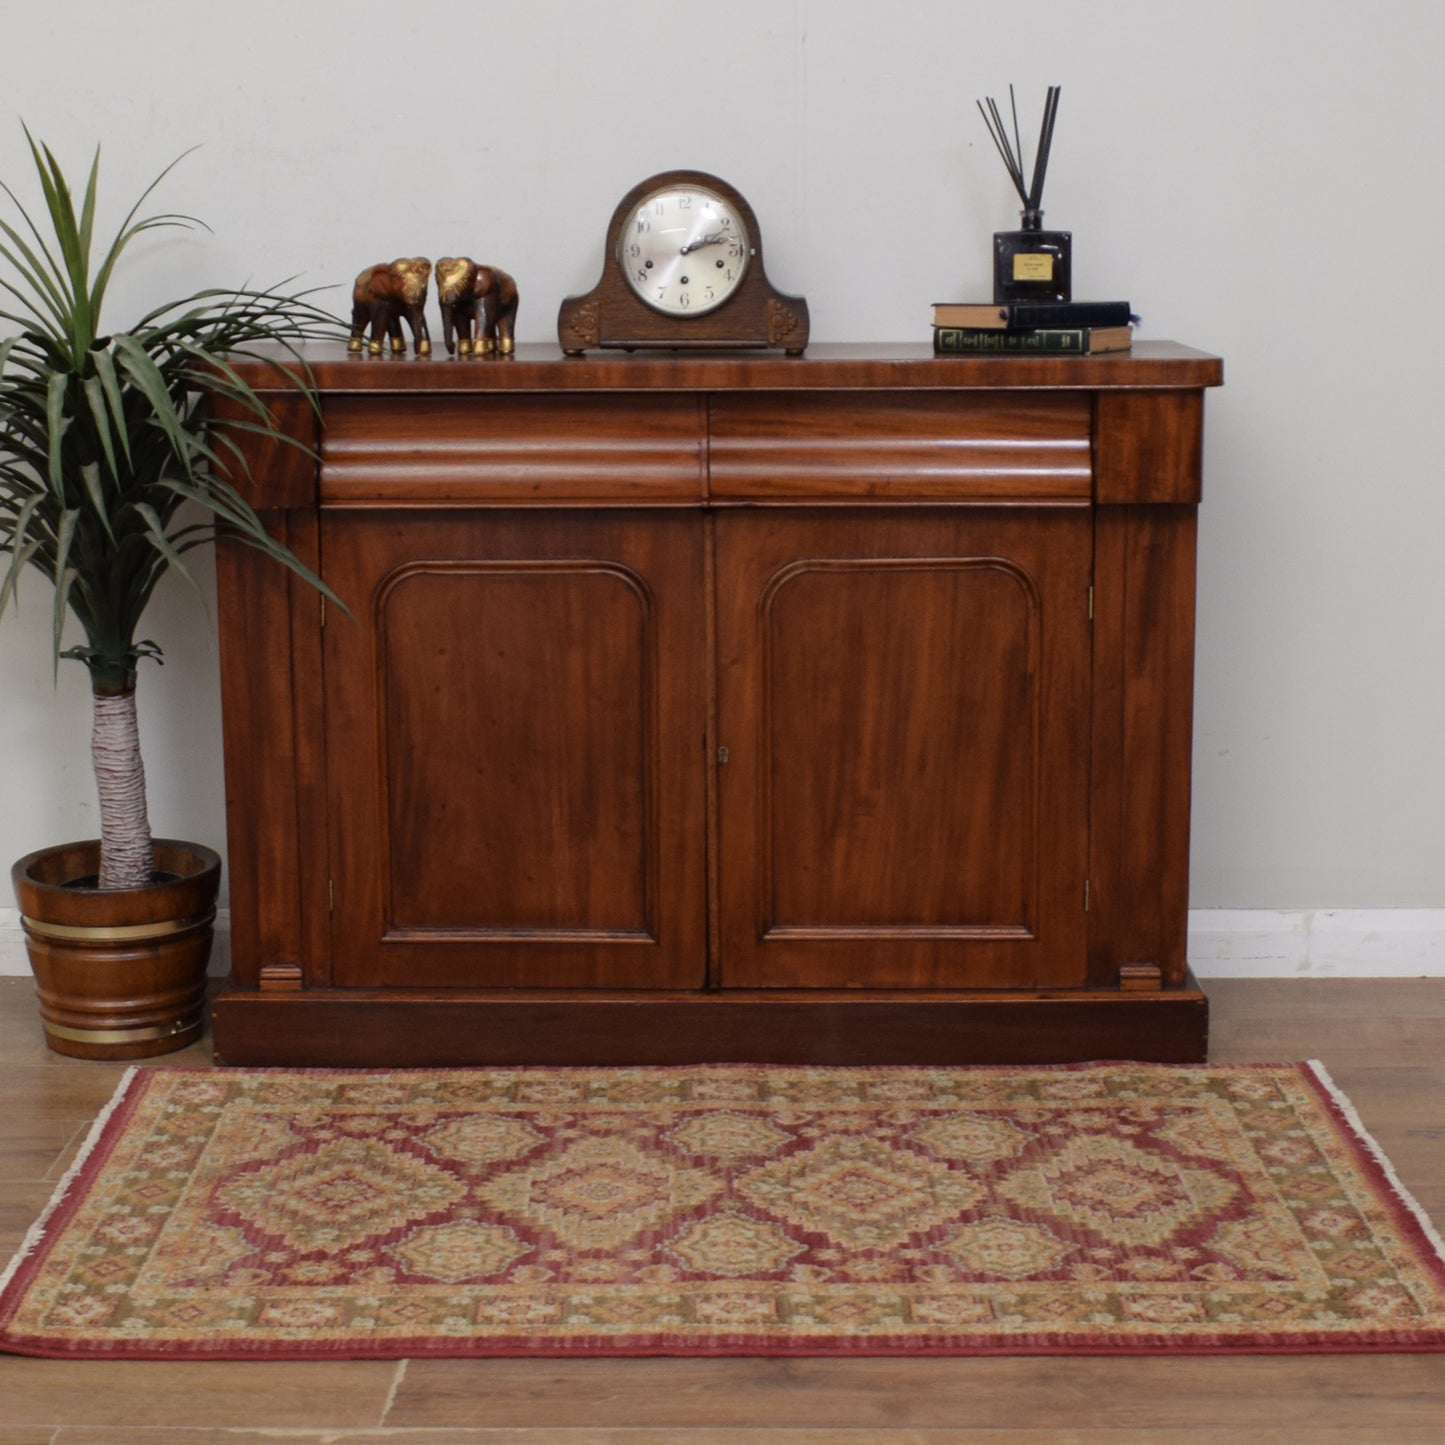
(1341, 1101)
(35, 1236)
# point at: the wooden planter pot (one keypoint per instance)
(120, 973)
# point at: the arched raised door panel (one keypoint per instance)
(505, 782)
(899, 697)
(485, 773)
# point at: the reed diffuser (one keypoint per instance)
(1030, 264)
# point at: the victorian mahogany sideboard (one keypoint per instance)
(717, 707)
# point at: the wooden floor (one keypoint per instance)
(1383, 1040)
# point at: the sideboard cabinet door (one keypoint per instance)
(515, 748)
(903, 700)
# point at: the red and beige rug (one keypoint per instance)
(726, 1210)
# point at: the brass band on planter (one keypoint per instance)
(119, 1036)
(125, 933)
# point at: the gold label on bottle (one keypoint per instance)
(1035, 267)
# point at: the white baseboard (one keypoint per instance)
(1318, 943)
(1223, 943)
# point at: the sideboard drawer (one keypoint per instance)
(901, 446)
(512, 450)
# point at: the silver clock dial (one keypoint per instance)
(684, 250)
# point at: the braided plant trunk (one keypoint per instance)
(125, 830)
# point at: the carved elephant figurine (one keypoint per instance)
(382, 295)
(479, 306)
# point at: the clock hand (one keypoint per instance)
(716, 239)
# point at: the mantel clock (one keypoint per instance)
(684, 268)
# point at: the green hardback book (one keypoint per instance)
(1042, 341)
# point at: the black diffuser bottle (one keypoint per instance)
(1030, 264)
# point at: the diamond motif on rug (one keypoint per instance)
(1007, 1247)
(339, 1195)
(724, 1134)
(599, 1193)
(734, 1244)
(980, 1138)
(863, 1193)
(482, 1139)
(1124, 1194)
(464, 1249)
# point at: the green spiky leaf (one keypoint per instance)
(103, 436)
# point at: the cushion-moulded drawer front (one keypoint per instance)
(512, 450)
(890, 446)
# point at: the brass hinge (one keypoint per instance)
(1086, 895)
(722, 755)
(331, 895)
(1091, 601)
(323, 609)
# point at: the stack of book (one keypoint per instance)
(1053, 328)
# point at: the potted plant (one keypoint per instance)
(114, 464)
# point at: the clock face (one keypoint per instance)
(683, 250)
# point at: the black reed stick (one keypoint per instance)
(999, 136)
(1013, 105)
(1031, 194)
(1046, 140)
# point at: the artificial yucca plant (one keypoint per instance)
(105, 438)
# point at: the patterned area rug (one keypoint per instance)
(723, 1210)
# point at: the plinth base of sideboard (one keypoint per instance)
(398, 1029)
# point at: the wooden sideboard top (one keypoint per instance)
(825, 366)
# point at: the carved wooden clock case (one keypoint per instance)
(706, 288)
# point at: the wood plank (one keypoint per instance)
(745, 1436)
(21, 1203)
(276, 1395)
(1308, 1002)
(1154, 1395)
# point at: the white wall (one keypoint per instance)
(1259, 179)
